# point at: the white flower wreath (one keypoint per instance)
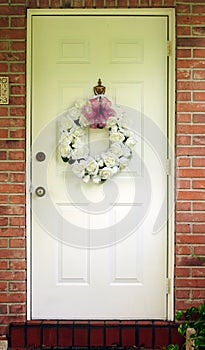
(73, 147)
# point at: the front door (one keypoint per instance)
(98, 251)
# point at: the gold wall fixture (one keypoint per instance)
(4, 90)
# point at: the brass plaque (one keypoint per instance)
(4, 90)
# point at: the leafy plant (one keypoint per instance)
(194, 317)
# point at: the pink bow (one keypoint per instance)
(97, 111)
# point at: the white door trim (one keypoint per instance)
(170, 14)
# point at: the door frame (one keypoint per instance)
(170, 14)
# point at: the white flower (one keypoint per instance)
(126, 151)
(100, 163)
(79, 168)
(92, 167)
(79, 104)
(115, 170)
(83, 121)
(78, 142)
(77, 132)
(129, 133)
(116, 148)
(74, 113)
(96, 179)
(109, 159)
(130, 142)
(86, 178)
(114, 129)
(78, 153)
(65, 150)
(106, 173)
(123, 122)
(123, 162)
(111, 122)
(66, 124)
(66, 138)
(116, 137)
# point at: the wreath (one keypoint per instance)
(97, 112)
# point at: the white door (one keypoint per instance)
(99, 251)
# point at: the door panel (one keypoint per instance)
(105, 265)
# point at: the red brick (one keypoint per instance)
(183, 140)
(192, 195)
(15, 188)
(183, 74)
(17, 221)
(199, 228)
(184, 53)
(4, 22)
(183, 118)
(3, 199)
(199, 75)
(190, 151)
(200, 250)
(12, 298)
(199, 31)
(190, 238)
(190, 282)
(182, 249)
(182, 294)
(3, 67)
(3, 221)
(199, 118)
(191, 173)
(190, 85)
(199, 96)
(17, 264)
(17, 309)
(198, 293)
(190, 107)
(183, 206)
(3, 177)
(12, 33)
(182, 272)
(193, 42)
(3, 155)
(199, 140)
(16, 155)
(198, 9)
(14, 122)
(183, 184)
(18, 21)
(198, 184)
(17, 111)
(184, 96)
(18, 166)
(197, 206)
(183, 8)
(17, 177)
(3, 264)
(199, 53)
(17, 286)
(17, 243)
(190, 217)
(186, 63)
(12, 231)
(183, 162)
(12, 254)
(17, 199)
(4, 45)
(198, 272)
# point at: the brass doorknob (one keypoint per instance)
(40, 191)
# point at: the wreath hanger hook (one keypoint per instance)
(99, 89)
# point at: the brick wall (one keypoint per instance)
(190, 149)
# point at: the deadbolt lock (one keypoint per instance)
(40, 191)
